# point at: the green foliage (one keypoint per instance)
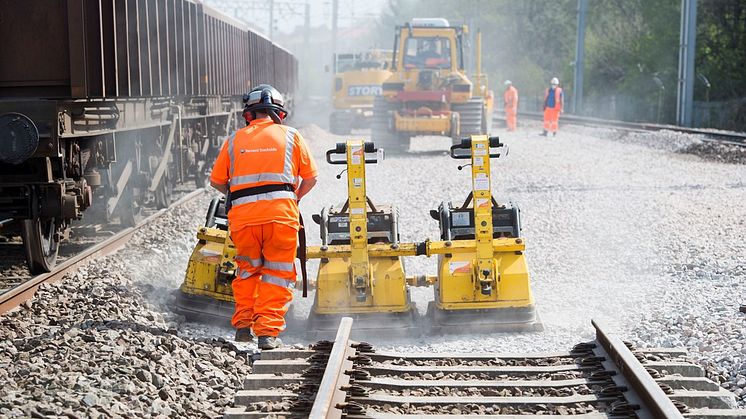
(632, 48)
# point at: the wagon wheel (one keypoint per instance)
(40, 244)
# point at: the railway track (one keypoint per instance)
(605, 378)
(26, 287)
(729, 137)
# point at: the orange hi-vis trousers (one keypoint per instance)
(265, 255)
(551, 119)
(510, 118)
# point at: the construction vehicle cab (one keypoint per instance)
(429, 91)
(357, 81)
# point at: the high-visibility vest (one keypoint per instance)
(510, 97)
(557, 98)
(264, 153)
(257, 159)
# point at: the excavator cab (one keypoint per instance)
(429, 91)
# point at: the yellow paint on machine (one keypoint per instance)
(440, 124)
(213, 253)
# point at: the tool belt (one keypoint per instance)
(257, 190)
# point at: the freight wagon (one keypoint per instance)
(107, 105)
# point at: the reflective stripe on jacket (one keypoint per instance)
(264, 153)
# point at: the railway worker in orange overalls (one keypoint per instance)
(510, 100)
(554, 101)
(262, 165)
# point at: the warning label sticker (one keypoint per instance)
(357, 182)
(483, 203)
(357, 154)
(463, 267)
(481, 182)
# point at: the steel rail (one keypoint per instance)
(645, 387)
(26, 290)
(735, 138)
(330, 391)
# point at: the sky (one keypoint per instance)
(290, 13)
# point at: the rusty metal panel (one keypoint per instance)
(179, 45)
(201, 56)
(76, 37)
(121, 45)
(108, 48)
(151, 21)
(34, 34)
(163, 47)
(143, 45)
(173, 66)
(208, 54)
(133, 48)
(193, 49)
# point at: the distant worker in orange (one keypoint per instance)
(510, 100)
(259, 168)
(554, 101)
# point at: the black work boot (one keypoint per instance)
(244, 335)
(544, 134)
(269, 342)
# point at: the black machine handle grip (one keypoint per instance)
(370, 150)
(466, 145)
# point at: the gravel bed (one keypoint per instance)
(632, 230)
(495, 362)
(567, 375)
(93, 346)
(486, 391)
(485, 409)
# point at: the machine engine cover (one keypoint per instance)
(19, 137)
(381, 227)
(457, 223)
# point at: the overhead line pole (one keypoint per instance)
(687, 51)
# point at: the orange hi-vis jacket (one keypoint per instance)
(264, 153)
(510, 98)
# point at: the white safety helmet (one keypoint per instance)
(554, 82)
(508, 82)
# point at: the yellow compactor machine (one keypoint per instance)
(482, 282)
(429, 91)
